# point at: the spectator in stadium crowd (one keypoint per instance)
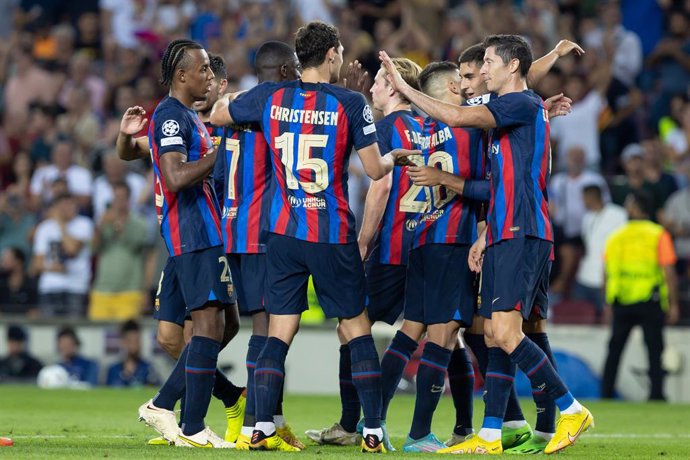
(601, 219)
(81, 75)
(18, 366)
(676, 219)
(670, 62)
(567, 211)
(18, 294)
(16, 221)
(610, 38)
(62, 259)
(641, 289)
(114, 172)
(79, 179)
(132, 371)
(80, 124)
(121, 243)
(42, 133)
(678, 137)
(79, 368)
(654, 172)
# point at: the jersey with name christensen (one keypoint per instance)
(520, 156)
(311, 129)
(190, 218)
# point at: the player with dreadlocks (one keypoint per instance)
(196, 279)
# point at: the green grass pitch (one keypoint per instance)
(103, 423)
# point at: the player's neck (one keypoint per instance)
(395, 106)
(319, 74)
(513, 86)
(205, 117)
(186, 99)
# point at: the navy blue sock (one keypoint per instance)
(476, 343)
(546, 407)
(395, 358)
(461, 379)
(183, 400)
(225, 390)
(431, 376)
(256, 344)
(173, 388)
(200, 373)
(500, 375)
(534, 363)
(349, 399)
(366, 375)
(279, 405)
(269, 376)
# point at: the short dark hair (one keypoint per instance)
(18, 254)
(593, 189)
(474, 54)
(217, 64)
(510, 47)
(273, 53)
(129, 326)
(174, 57)
(644, 201)
(432, 71)
(122, 184)
(16, 333)
(313, 41)
(68, 331)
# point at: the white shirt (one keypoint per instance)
(627, 58)
(103, 193)
(579, 129)
(677, 210)
(79, 181)
(77, 273)
(566, 194)
(596, 228)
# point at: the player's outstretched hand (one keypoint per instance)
(355, 77)
(425, 176)
(476, 256)
(565, 47)
(393, 75)
(558, 105)
(133, 120)
(401, 157)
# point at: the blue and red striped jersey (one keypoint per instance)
(311, 129)
(450, 218)
(189, 219)
(520, 163)
(241, 177)
(400, 129)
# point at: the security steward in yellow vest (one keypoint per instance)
(641, 289)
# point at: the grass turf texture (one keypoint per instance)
(103, 423)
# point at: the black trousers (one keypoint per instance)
(651, 318)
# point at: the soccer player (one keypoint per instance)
(519, 236)
(311, 127)
(197, 272)
(390, 212)
(241, 178)
(174, 324)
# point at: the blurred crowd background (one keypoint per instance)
(78, 226)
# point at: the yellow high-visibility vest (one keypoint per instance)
(633, 273)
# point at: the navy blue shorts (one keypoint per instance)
(249, 277)
(515, 276)
(440, 286)
(385, 290)
(337, 271)
(190, 281)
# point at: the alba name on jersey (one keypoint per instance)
(520, 162)
(450, 219)
(241, 176)
(400, 129)
(311, 129)
(176, 128)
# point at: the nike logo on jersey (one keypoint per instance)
(495, 300)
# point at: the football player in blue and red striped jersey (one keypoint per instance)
(311, 127)
(387, 228)
(197, 273)
(519, 236)
(242, 178)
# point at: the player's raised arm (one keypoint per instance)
(130, 148)
(541, 66)
(450, 114)
(220, 113)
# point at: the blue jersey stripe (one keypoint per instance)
(331, 105)
(538, 155)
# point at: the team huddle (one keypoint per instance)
(252, 199)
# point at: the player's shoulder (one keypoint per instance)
(526, 97)
(171, 114)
